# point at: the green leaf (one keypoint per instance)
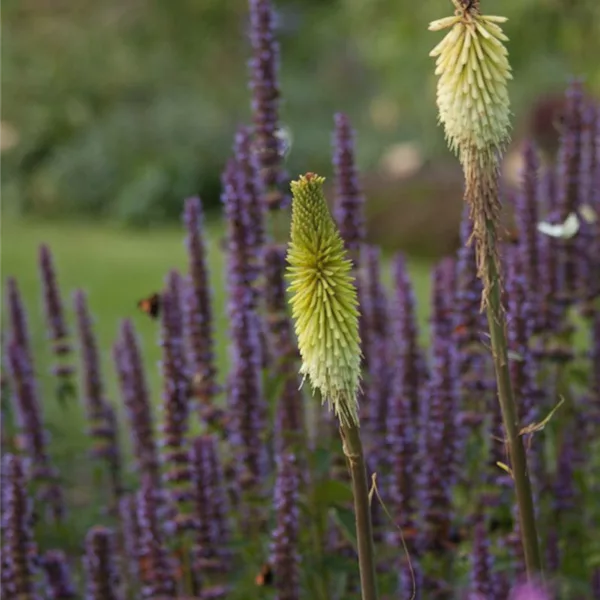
(344, 519)
(332, 492)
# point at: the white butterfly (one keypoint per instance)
(564, 231)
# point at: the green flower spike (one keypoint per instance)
(324, 301)
(473, 68)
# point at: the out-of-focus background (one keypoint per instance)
(113, 112)
(119, 109)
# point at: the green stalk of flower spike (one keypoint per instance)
(474, 107)
(325, 311)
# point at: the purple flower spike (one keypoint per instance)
(349, 205)
(285, 559)
(249, 188)
(102, 579)
(17, 319)
(57, 326)
(198, 312)
(264, 67)
(438, 417)
(176, 398)
(588, 239)
(58, 576)
(129, 365)
(31, 424)
(156, 566)
(245, 394)
(18, 548)
(481, 563)
(527, 217)
(374, 310)
(101, 416)
(407, 375)
(130, 534)
(211, 552)
(290, 410)
(568, 180)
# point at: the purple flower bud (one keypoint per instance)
(31, 425)
(198, 313)
(18, 548)
(349, 204)
(58, 576)
(102, 578)
(103, 428)
(481, 562)
(156, 566)
(211, 551)
(285, 559)
(264, 67)
(129, 365)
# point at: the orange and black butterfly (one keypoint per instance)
(151, 305)
(265, 576)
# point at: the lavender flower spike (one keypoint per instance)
(284, 546)
(246, 401)
(176, 397)
(58, 330)
(198, 312)
(18, 548)
(102, 579)
(129, 365)
(17, 318)
(403, 402)
(100, 414)
(31, 424)
(264, 66)
(212, 530)
(349, 200)
(156, 567)
(58, 576)
(481, 563)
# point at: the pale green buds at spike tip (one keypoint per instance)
(473, 69)
(324, 300)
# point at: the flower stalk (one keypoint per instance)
(473, 102)
(324, 307)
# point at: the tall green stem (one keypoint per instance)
(364, 529)
(518, 459)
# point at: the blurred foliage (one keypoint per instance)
(121, 109)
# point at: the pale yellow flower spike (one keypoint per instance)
(473, 69)
(324, 300)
